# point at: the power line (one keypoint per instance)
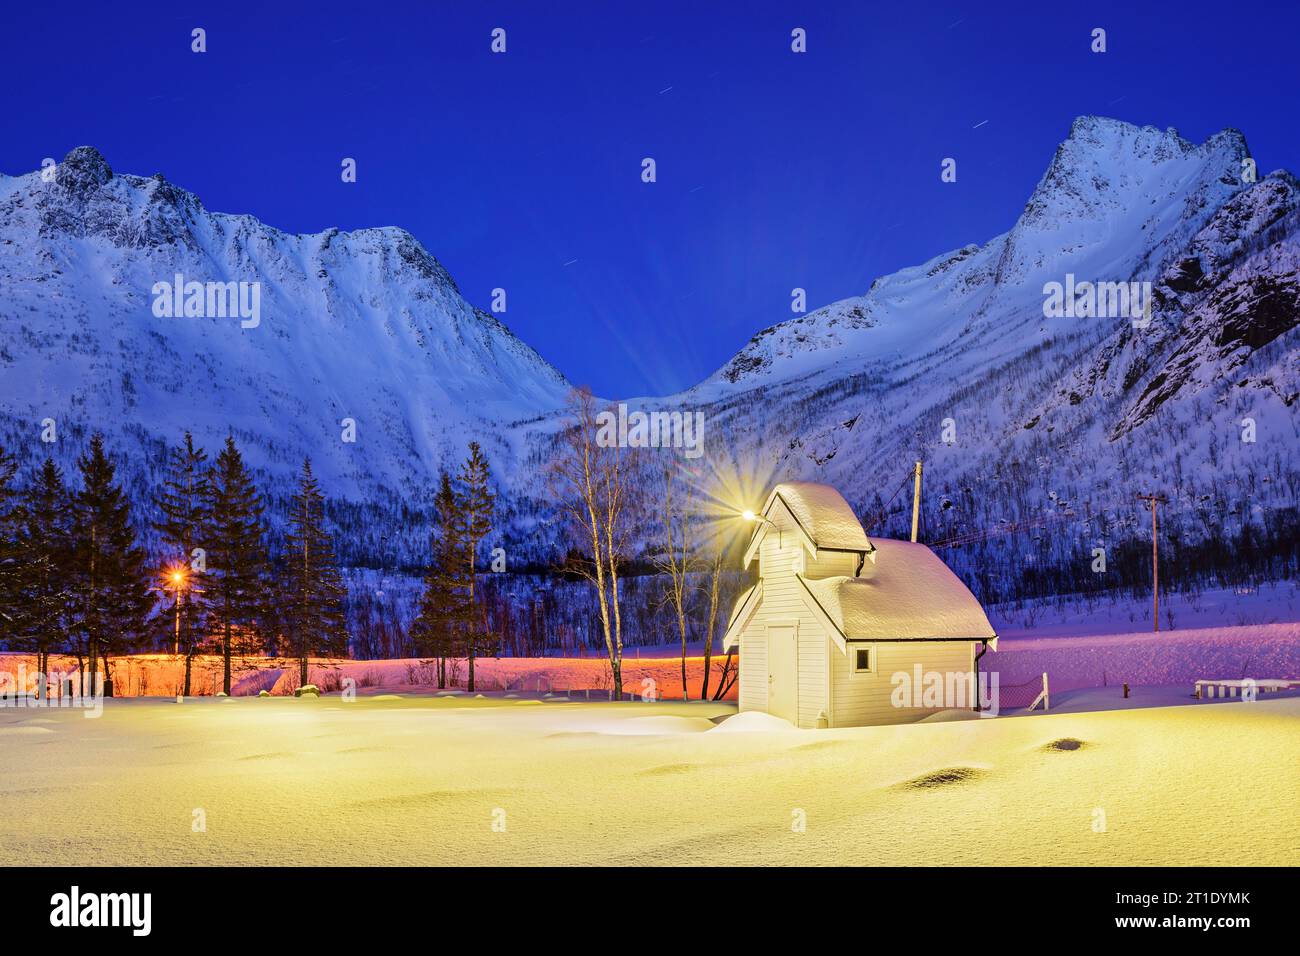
(885, 510)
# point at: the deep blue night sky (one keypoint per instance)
(522, 170)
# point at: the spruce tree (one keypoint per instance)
(11, 564)
(113, 599)
(476, 504)
(315, 587)
(48, 593)
(444, 603)
(276, 601)
(182, 503)
(236, 551)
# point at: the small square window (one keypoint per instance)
(861, 659)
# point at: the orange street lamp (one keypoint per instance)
(176, 576)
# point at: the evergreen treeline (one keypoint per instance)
(452, 621)
(75, 580)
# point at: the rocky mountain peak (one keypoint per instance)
(83, 170)
(1105, 162)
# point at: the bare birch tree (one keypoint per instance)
(713, 588)
(592, 485)
(675, 560)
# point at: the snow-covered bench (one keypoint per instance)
(1240, 688)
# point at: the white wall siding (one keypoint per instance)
(753, 666)
(831, 564)
(812, 673)
(784, 604)
(865, 699)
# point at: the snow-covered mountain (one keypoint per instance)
(1116, 201)
(1025, 421)
(365, 325)
(1028, 422)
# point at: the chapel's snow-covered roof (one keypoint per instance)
(823, 514)
(907, 594)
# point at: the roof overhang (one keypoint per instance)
(766, 525)
(819, 612)
(743, 616)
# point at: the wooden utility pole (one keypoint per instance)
(916, 500)
(1154, 500)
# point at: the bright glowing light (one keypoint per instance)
(747, 515)
(177, 577)
(722, 487)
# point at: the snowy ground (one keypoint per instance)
(1183, 656)
(1071, 616)
(426, 780)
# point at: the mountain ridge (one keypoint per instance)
(368, 325)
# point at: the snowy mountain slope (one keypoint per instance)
(363, 325)
(1220, 303)
(1114, 202)
(1031, 422)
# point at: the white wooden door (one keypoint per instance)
(782, 672)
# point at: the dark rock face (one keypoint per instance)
(1235, 292)
(1237, 319)
(83, 171)
(1187, 277)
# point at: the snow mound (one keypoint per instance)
(260, 680)
(754, 721)
(947, 716)
(641, 726)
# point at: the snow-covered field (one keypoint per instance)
(1276, 602)
(1169, 657)
(426, 780)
